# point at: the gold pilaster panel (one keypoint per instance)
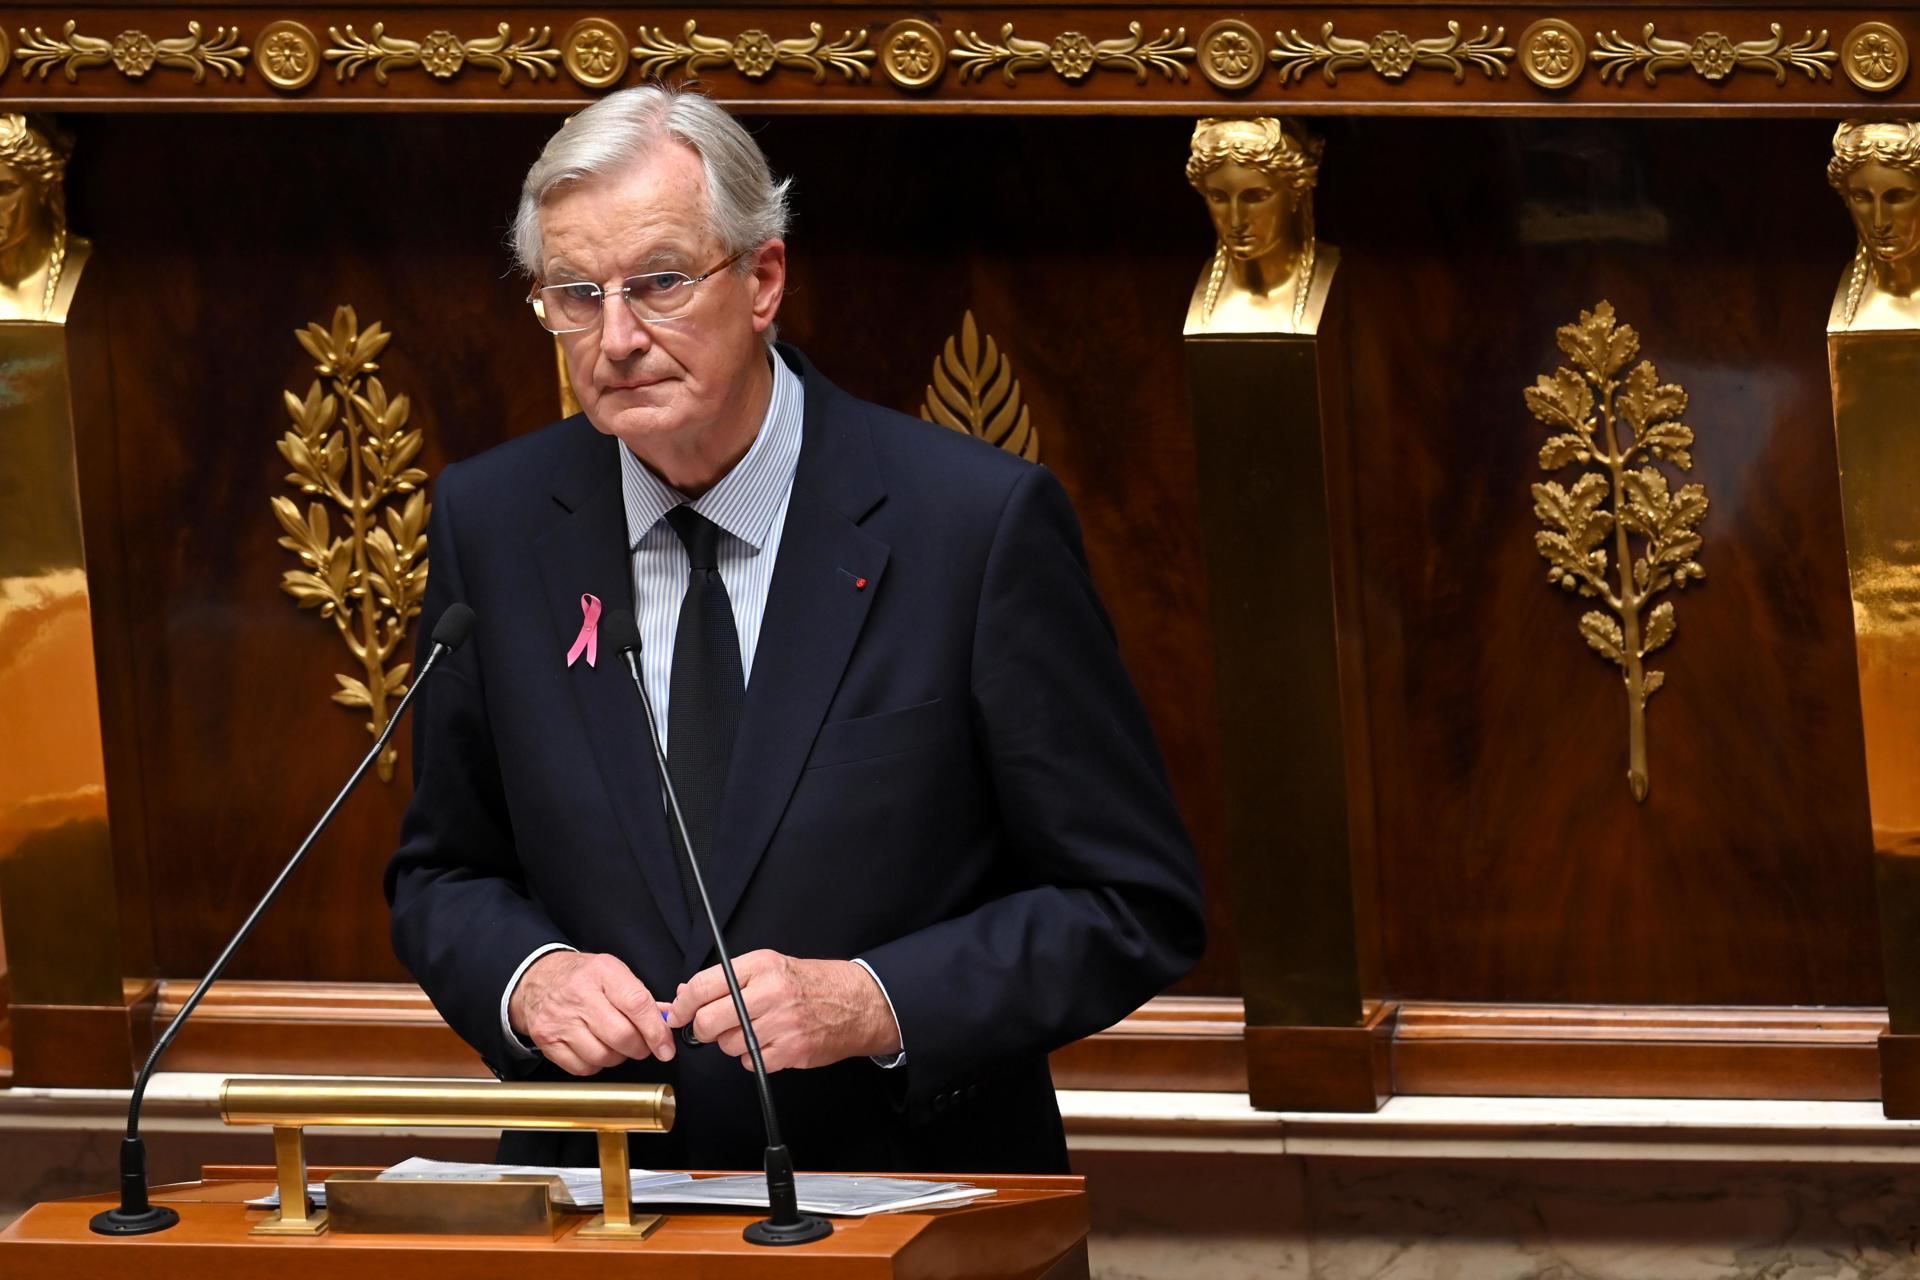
(1615, 424)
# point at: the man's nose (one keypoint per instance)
(620, 334)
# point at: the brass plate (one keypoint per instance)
(362, 1203)
(275, 1225)
(287, 55)
(1874, 56)
(641, 1226)
(1552, 54)
(913, 53)
(1232, 54)
(594, 52)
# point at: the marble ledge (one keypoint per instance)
(1583, 1129)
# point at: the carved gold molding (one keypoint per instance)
(287, 55)
(6, 51)
(351, 447)
(1552, 54)
(754, 53)
(1617, 428)
(1390, 54)
(1072, 55)
(441, 54)
(594, 52)
(974, 391)
(132, 53)
(1874, 56)
(913, 54)
(1713, 55)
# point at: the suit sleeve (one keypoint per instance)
(462, 921)
(1110, 910)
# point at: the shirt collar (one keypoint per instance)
(747, 498)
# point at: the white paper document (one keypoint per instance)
(839, 1195)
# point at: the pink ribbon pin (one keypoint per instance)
(588, 641)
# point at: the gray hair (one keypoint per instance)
(746, 207)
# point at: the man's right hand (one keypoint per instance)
(587, 1012)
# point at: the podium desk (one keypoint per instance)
(1034, 1228)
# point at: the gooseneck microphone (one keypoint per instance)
(136, 1216)
(785, 1224)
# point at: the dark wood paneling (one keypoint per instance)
(1513, 862)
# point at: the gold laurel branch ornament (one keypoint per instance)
(1616, 428)
(442, 54)
(754, 53)
(350, 446)
(974, 391)
(133, 53)
(1391, 54)
(1072, 55)
(1712, 55)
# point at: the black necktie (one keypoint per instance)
(705, 693)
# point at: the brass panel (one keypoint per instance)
(314, 1101)
(1875, 377)
(1265, 521)
(56, 862)
(362, 1203)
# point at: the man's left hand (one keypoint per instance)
(807, 1013)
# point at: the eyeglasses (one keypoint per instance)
(658, 295)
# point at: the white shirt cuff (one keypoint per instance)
(517, 1045)
(894, 1060)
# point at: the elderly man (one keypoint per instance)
(916, 777)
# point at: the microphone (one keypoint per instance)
(136, 1216)
(785, 1224)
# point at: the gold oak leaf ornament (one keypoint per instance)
(350, 449)
(1615, 428)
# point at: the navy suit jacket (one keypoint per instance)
(945, 771)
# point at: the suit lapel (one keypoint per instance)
(815, 610)
(586, 552)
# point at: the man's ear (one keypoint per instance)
(769, 283)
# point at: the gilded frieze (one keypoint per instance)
(974, 390)
(1390, 54)
(1712, 55)
(1874, 56)
(441, 54)
(287, 55)
(1552, 54)
(913, 54)
(133, 53)
(1615, 426)
(350, 447)
(594, 52)
(754, 53)
(1072, 55)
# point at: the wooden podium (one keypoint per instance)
(1034, 1228)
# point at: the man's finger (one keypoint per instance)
(702, 989)
(588, 1051)
(631, 999)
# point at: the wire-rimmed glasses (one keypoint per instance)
(654, 296)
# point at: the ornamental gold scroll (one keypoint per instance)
(1268, 274)
(1616, 424)
(351, 450)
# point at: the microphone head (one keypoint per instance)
(620, 631)
(451, 630)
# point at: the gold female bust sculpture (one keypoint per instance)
(1257, 176)
(1876, 170)
(39, 261)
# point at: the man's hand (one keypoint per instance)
(807, 1013)
(586, 1012)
